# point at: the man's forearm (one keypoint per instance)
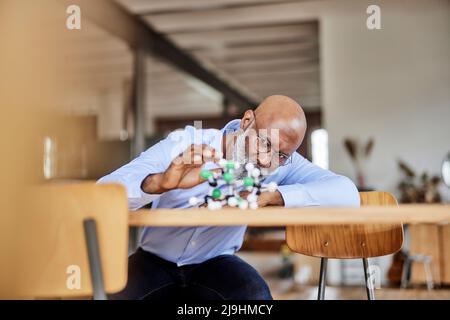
(336, 191)
(270, 199)
(152, 184)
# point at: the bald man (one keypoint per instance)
(200, 262)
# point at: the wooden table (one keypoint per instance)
(279, 216)
(432, 215)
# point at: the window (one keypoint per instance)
(319, 147)
(49, 158)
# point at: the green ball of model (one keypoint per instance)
(230, 165)
(248, 181)
(205, 174)
(216, 194)
(228, 177)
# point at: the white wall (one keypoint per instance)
(391, 84)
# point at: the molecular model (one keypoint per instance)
(225, 187)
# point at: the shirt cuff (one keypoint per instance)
(296, 195)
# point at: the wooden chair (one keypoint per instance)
(348, 241)
(71, 230)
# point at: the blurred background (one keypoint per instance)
(78, 103)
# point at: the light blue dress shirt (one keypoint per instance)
(301, 184)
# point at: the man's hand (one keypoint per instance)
(183, 172)
(266, 198)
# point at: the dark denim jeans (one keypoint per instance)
(226, 277)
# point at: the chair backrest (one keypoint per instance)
(51, 257)
(352, 240)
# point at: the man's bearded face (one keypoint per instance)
(245, 151)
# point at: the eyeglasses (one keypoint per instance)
(264, 146)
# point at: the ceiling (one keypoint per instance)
(261, 47)
(255, 44)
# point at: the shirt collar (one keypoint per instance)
(231, 126)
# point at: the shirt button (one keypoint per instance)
(193, 243)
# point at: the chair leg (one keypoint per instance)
(369, 284)
(95, 267)
(405, 273)
(323, 278)
(428, 274)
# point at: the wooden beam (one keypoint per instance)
(267, 14)
(270, 64)
(290, 93)
(217, 38)
(235, 55)
(178, 95)
(169, 88)
(289, 89)
(294, 75)
(158, 6)
(274, 69)
(176, 99)
(309, 102)
(305, 84)
(258, 49)
(175, 111)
